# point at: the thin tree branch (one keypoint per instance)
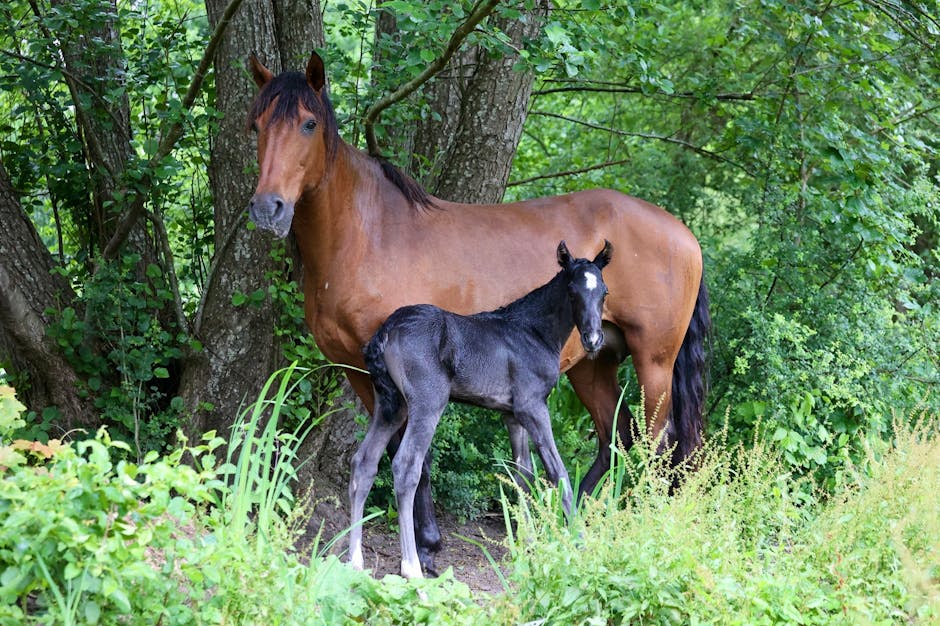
(159, 228)
(213, 270)
(479, 13)
(845, 263)
(71, 82)
(168, 138)
(623, 133)
(69, 76)
(747, 97)
(582, 170)
(910, 114)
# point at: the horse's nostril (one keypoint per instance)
(278, 208)
(591, 340)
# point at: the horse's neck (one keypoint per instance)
(546, 312)
(337, 215)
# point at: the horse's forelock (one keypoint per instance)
(287, 92)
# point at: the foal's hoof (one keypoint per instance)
(427, 564)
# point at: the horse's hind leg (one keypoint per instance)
(427, 532)
(426, 529)
(596, 384)
(365, 463)
(423, 417)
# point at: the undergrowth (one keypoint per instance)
(86, 537)
(740, 542)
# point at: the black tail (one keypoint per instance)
(388, 399)
(689, 380)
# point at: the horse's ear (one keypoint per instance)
(603, 257)
(259, 72)
(316, 74)
(564, 257)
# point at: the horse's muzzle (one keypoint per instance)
(271, 212)
(592, 341)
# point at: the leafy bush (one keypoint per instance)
(127, 376)
(87, 539)
(739, 543)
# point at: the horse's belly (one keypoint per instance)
(491, 392)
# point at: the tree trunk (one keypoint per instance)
(240, 348)
(95, 78)
(29, 291)
(480, 104)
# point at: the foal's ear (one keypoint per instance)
(564, 257)
(316, 75)
(259, 72)
(603, 257)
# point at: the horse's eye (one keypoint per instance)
(254, 127)
(309, 125)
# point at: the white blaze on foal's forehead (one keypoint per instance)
(590, 281)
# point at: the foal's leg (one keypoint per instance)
(522, 471)
(423, 417)
(596, 384)
(534, 416)
(427, 533)
(364, 465)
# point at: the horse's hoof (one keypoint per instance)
(427, 564)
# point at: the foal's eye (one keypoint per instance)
(309, 125)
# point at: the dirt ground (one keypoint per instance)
(382, 551)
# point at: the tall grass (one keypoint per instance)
(254, 531)
(738, 543)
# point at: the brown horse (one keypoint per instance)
(372, 240)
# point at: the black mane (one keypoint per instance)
(413, 192)
(536, 298)
(290, 90)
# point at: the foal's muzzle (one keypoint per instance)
(592, 340)
(271, 212)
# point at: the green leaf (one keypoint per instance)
(92, 612)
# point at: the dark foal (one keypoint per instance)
(507, 359)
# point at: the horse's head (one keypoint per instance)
(586, 292)
(297, 138)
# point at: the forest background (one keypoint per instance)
(798, 140)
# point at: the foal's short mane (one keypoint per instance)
(289, 90)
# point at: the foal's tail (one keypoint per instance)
(388, 399)
(689, 380)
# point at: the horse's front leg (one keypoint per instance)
(365, 462)
(522, 471)
(596, 385)
(535, 418)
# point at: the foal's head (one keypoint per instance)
(586, 292)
